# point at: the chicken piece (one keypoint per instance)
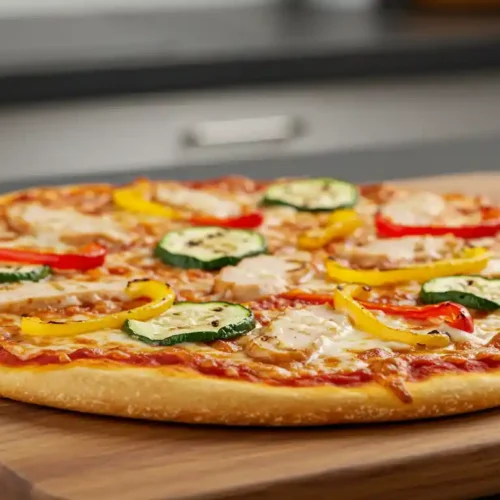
(259, 276)
(21, 297)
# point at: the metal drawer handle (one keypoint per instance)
(266, 129)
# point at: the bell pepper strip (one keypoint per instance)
(132, 199)
(389, 229)
(161, 295)
(455, 315)
(472, 261)
(88, 257)
(245, 221)
(365, 320)
(341, 224)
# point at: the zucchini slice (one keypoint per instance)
(15, 273)
(193, 322)
(475, 292)
(209, 248)
(313, 195)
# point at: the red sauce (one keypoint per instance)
(199, 363)
(408, 367)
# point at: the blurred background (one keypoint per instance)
(361, 89)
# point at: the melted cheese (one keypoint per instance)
(486, 328)
(455, 335)
(415, 209)
(108, 339)
(253, 278)
(405, 248)
(492, 269)
(324, 333)
(63, 293)
(67, 221)
(197, 200)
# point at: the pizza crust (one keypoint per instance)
(177, 395)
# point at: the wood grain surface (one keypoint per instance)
(47, 454)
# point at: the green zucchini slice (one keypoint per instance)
(475, 292)
(313, 195)
(15, 273)
(193, 322)
(209, 248)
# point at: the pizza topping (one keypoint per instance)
(455, 315)
(386, 227)
(133, 199)
(428, 213)
(258, 276)
(341, 224)
(415, 208)
(193, 322)
(209, 248)
(472, 260)
(344, 300)
(11, 274)
(246, 221)
(393, 253)
(196, 200)
(161, 295)
(89, 257)
(68, 223)
(302, 335)
(475, 292)
(313, 195)
(21, 297)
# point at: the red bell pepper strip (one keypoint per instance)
(490, 226)
(89, 257)
(455, 315)
(246, 221)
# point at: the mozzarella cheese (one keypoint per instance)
(415, 209)
(405, 248)
(454, 334)
(398, 251)
(197, 200)
(24, 295)
(318, 331)
(423, 208)
(492, 269)
(255, 277)
(66, 221)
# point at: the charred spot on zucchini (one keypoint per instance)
(313, 195)
(476, 292)
(193, 322)
(209, 248)
(15, 273)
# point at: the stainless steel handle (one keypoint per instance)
(258, 130)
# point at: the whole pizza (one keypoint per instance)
(297, 301)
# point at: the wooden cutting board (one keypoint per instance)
(47, 454)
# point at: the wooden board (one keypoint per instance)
(47, 454)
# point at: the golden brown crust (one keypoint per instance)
(171, 394)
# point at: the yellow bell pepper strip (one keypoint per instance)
(161, 295)
(132, 199)
(472, 261)
(341, 223)
(365, 320)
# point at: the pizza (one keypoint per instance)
(291, 302)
